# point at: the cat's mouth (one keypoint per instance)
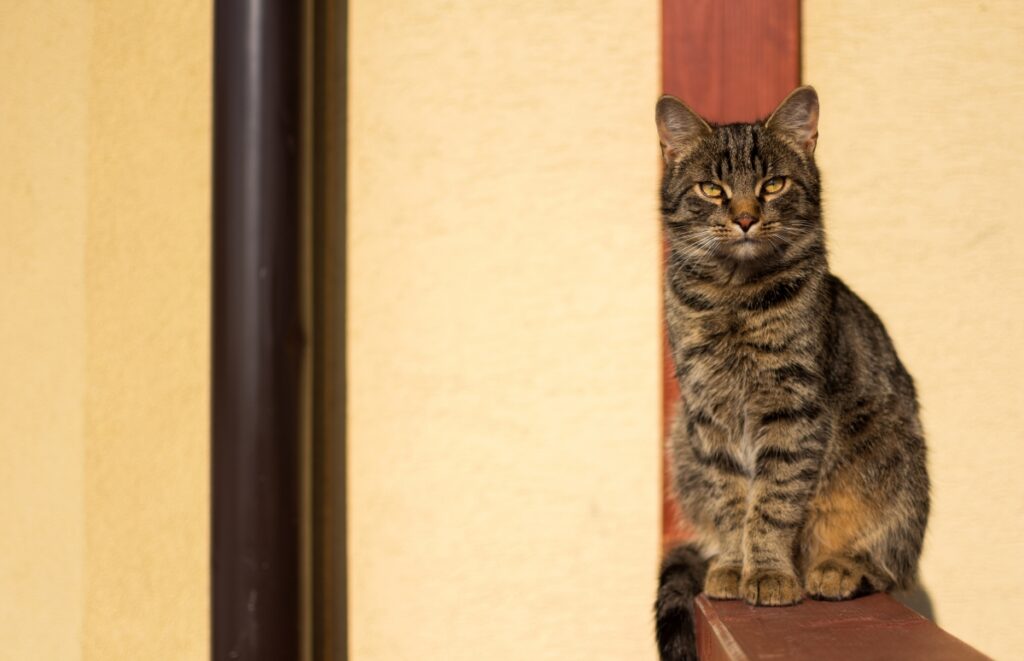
(749, 247)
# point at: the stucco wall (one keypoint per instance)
(503, 322)
(104, 187)
(922, 153)
(504, 374)
(43, 200)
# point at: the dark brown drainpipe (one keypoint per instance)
(259, 342)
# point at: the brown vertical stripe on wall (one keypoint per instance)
(330, 584)
(258, 334)
(730, 61)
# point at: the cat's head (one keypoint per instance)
(741, 193)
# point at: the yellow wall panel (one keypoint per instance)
(147, 275)
(43, 199)
(922, 154)
(105, 192)
(504, 325)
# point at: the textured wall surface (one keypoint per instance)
(503, 330)
(43, 201)
(922, 153)
(104, 186)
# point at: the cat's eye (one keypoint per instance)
(773, 185)
(710, 190)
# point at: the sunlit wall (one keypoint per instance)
(922, 154)
(504, 374)
(504, 314)
(105, 223)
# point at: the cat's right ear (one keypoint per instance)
(679, 128)
(797, 118)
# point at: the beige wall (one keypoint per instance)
(104, 191)
(504, 375)
(922, 153)
(503, 321)
(43, 200)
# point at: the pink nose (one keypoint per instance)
(745, 221)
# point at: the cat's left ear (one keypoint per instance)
(679, 128)
(797, 118)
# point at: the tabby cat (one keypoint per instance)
(797, 455)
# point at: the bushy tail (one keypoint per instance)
(681, 579)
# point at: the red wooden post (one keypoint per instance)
(730, 61)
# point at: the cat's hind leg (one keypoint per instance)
(848, 544)
(844, 577)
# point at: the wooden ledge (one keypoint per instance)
(872, 627)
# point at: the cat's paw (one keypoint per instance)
(834, 579)
(771, 587)
(723, 583)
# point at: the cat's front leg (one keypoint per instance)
(725, 570)
(788, 440)
(712, 485)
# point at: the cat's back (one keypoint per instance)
(861, 363)
(871, 393)
(876, 458)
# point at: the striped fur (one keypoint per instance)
(798, 455)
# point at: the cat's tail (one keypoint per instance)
(681, 579)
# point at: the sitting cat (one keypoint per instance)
(797, 455)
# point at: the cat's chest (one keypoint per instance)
(720, 358)
(718, 372)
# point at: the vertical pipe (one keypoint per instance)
(258, 334)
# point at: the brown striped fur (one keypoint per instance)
(798, 454)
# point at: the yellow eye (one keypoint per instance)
(709, 189)
(773, 185)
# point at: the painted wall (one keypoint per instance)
(503, 322)
(43, 196)
(104, 187)
(504, 374)
(922, 153)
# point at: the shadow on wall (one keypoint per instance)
(917, 599)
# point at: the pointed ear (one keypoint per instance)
(679, 128)
(797, 118)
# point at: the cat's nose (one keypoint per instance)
(745, 221)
